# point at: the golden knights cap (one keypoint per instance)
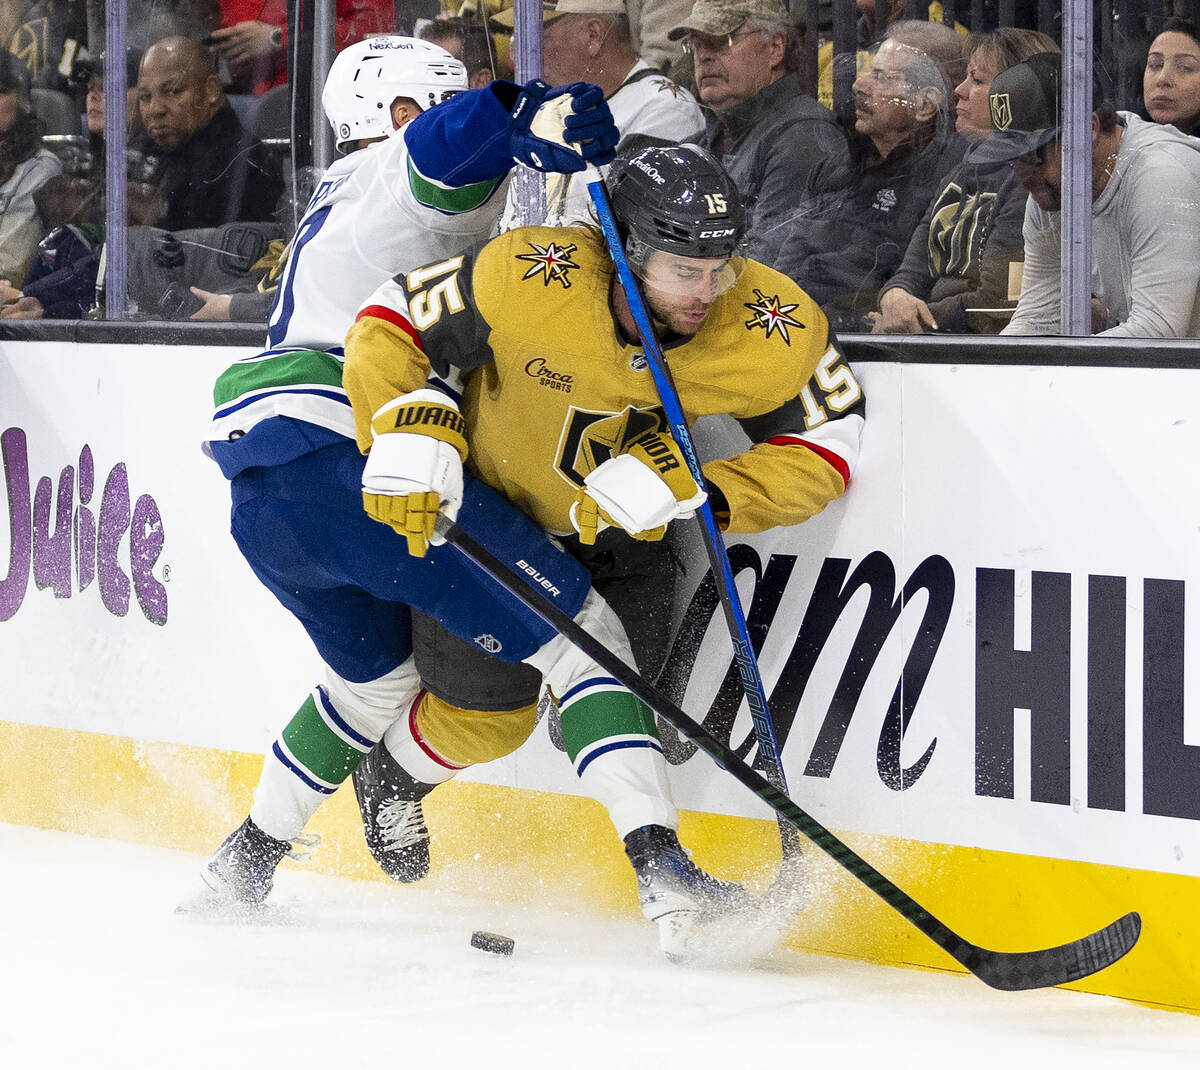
(1026, 103)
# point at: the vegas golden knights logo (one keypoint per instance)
(551, 263)
(31, 45)
(591, 438)
(958, 227)
(1001, 111)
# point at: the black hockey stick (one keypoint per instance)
(714, 544)
(1009, 970)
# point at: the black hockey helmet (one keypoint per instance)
(677, 199)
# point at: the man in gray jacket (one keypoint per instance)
(858, 215)
(768, 134)
(1145, 229)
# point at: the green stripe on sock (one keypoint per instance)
(448, 199)
(317, 747)
(610, 713)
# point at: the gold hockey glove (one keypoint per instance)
(641, 491)
(414, 469)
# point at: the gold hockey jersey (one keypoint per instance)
(552, 389)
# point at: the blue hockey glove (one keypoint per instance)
(562, 129)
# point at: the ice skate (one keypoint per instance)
(242, 871)
(389, 801)
(676, 894)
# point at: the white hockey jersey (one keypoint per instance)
(426, 193)
(364, 224)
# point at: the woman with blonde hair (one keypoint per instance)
(961, 270)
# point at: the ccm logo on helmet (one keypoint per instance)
(723, 233)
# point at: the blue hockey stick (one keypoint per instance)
(743, 650)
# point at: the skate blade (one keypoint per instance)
(209, 905)
(741, 935)
(736, 939)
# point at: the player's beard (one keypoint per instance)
(680, 315)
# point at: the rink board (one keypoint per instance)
(1018, 553)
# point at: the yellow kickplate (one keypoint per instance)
(514, 843)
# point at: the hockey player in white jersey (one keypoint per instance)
(283, 433)
(424, 174)
(406, 196)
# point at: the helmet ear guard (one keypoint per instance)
(367, 77)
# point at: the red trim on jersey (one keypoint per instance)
(390, 315)
(429, 752)
(839, 465)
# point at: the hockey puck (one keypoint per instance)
(493, 942)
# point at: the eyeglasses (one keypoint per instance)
(719, 44)
(888, 79)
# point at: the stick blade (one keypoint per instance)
(1021, 970)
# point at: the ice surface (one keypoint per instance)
(98, 971)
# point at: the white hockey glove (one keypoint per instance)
(562, 129)
(641, 491)
(414, 469)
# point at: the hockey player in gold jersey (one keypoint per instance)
(560, 414)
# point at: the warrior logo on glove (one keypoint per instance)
(414, 469)
(430, 420)
(641, 491)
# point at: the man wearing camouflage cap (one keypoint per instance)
(759, 123)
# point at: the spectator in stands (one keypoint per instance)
(588, 41)
(866, 31)
(76, 196)
(945, 46)
(1145, 227)
(25, 167)
(958, 272)
(252, 38)
(1171, 84)
(649, 23)
(859, 213)
(91, 72)
(760, 124)
(468, 40)
(212, 171)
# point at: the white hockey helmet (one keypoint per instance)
(368, 76)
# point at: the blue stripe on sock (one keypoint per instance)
(295, 769)
(590, 682)
(620, 744)
(337, 719)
